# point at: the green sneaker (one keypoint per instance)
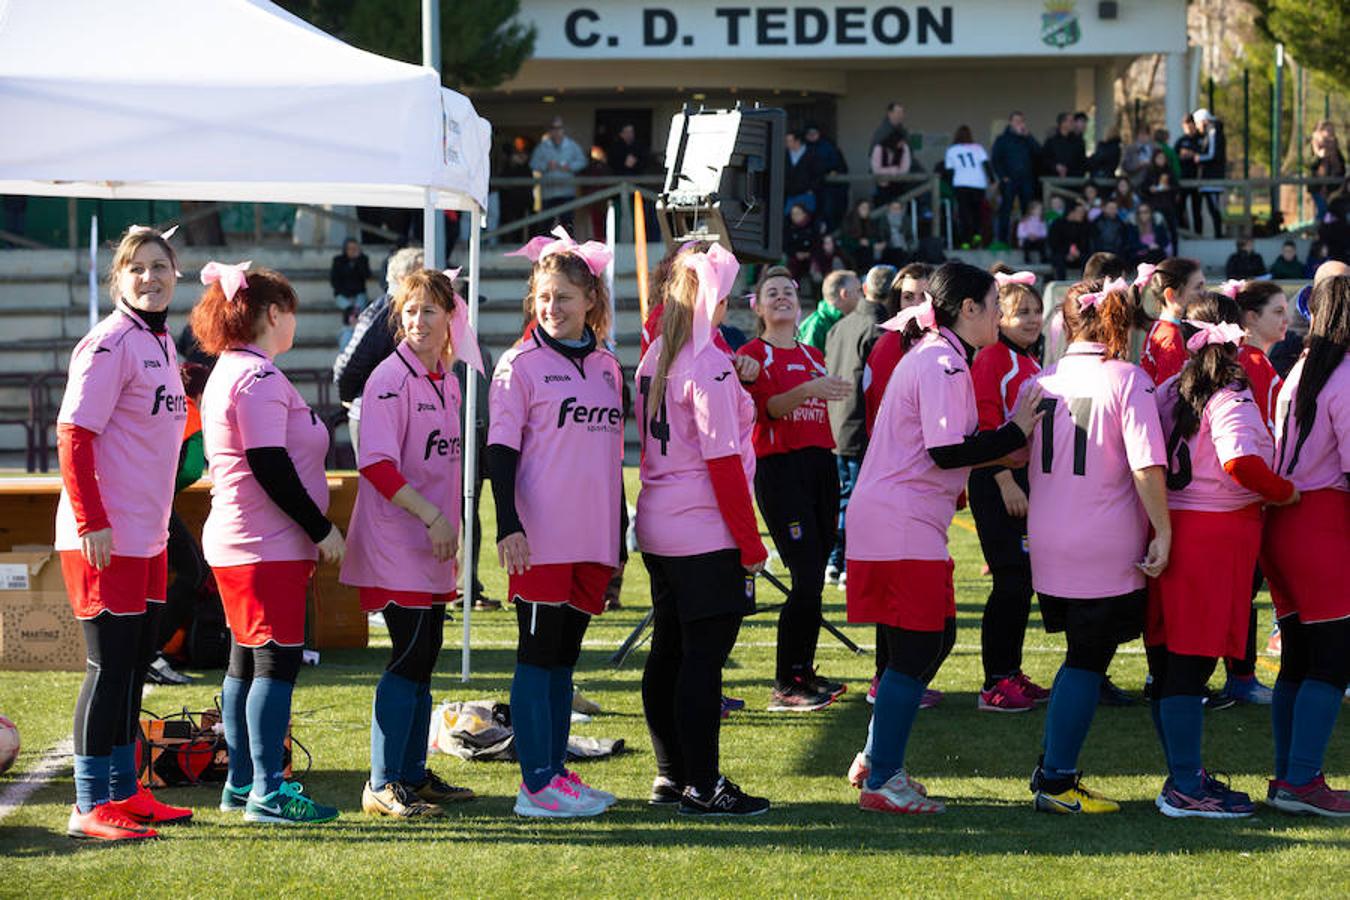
(287, 806)
(233, 799)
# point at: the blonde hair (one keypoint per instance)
(677, 326)
(575, 270)
(132, 241)
(426, 284)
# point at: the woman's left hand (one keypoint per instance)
(747, 369)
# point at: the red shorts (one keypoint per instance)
(917, 594)
(1201, 604)
(265, 602)
(376, 599)
(1304, 549)
(123, 588)
(579, 585)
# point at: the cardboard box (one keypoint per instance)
(37, 630)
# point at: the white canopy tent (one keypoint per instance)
(232, 100)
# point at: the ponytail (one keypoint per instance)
(1106, 322)
(677, 326)
(1328, 342)
(1209, 370)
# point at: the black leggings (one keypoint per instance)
(798, 493)
(1179, 674)
(267, 661)
(549, 635)
(1320, 651)
(416, 635)
(1004, 627)
(918, 654)
(117, 651)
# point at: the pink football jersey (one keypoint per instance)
(1230, 427)
(248, 403)
(1086, 527)
(1322, 458)
(565, 416)
(124, 386)
(412, 421)
(903, 502)
(705, 414)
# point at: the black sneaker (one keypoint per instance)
(1217, 700)
(825, 685)
(798, 695)
(727, 800)
(1111, 695)
(665, 792)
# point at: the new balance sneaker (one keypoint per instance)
(287, 805)
(831, 574)
(1031, 690)
(859, 770)
(142, 807)
(931, 698)
(1214, 800)
(1069, 796)
(1314, 798)
(395, 801)
(1247, 689)
(436, 789)
(1111, 695)
(233, 799)
(1004, 697)
(559, 799)
(106, 822)
(604, 797)
(798, 695)
(900, 795)
(726, 799)
(826, 685)
(872, 689)
(665, 792)
(160, 672)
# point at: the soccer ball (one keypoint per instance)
(9, 744)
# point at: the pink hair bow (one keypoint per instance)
(750, 298)
(923, 315)
(717, 270)
(1115, 284)
(231, 277)
(595, 254)
(1144, 274)
(1026, 278)
(137, 229)
(1210, 333)
(1232, 287)
(463, 339)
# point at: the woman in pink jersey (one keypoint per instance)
(925, 442)
(266, 526)
(1096, 478)
(117, 439)
(1303, 553)
(697, 530)
(1218, 477)
(405, 531)
(1173, 285)
(555, 456)
(796, 481)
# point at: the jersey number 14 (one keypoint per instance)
(659, 426)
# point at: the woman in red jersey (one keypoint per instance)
(1171, 287)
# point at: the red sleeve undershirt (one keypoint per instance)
(733, 501)
(385, 477)
(75, 453)
(1252, 473)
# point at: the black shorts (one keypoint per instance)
(1003, 538)
(1119, 619)
(701, 586)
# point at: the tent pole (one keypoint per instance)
(433, 247)
(470, 440)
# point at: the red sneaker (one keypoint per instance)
(1005, 697)
(142, 807)
(1315, 798)
(1031, 690)
(872, 690)
(106, 822)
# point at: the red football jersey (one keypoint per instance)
(999, 372)
(1265, 381)
(781, 370)
(881, 362)
(1164, 351)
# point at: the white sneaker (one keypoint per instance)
(843, 579)
(831, 574)
(560, 799)
(604, 797)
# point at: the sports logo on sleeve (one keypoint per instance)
(723, 376)
(387, 395)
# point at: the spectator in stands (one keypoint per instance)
(1125, 197)
(1070, 239)
(592, 224)
(1109, 232)
(1032, 232)
(839, 297)
(627, 158)
(1187, 150)
(1287, 266)
(891, 156)
(1065, 156)
(967, 164)
(1014, 162)
(1056, 210)
(348, 275)
(1212, 159)
(862, 237)
(1327, 162)
(1138, 156)
(517, 202)
(1092, 196)
(893, 123)
(1151, 241)
(801, 241)
(1162, 143)
(1318, 253)
(831, 199)
(1160, 190)
(1246, 263)
(894, 252)
(802, 176)
(829, 257)
(557, 159)
(1104, 161)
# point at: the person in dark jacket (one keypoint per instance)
(831, 199)
(1287, 266)
(1014, 160)
(1213, 163)
(1104, 161)
(1064, 153)
(1069, 241)
(348, 275)
(846, 349)
(1109, 233)
(1187, 149)
(802, 175)
(1245, 263)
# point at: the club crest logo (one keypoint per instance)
(795, 530)
(1059, 24)
(749, 587)
(609, 380)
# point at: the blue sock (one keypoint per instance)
(233, 701)
(268, 711)
(1155, 713)
(91, 781)
(1183, 723)
(1315, 712)
(391, 719)
(1072, 706)
(122, 772)
(898, 697)
(1054, 685)
(560, 714)
(1282, 723)
(530, 719)
(415, 756)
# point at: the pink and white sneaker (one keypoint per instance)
(1031, 690)
(603, 796)
(872, 691)
(1005, 697)
(931, 698)
(560, 799)
(900, 795)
